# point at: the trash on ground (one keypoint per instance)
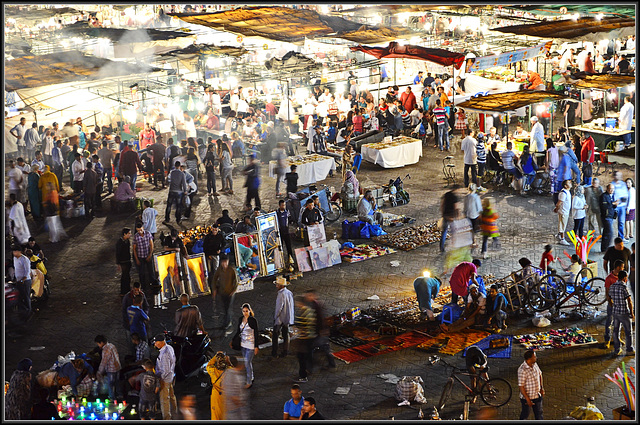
(389, 378)
(342, 390)
(373, 297)
(395, 263)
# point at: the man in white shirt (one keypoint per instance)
(78, 168)
(31, 139)
(25, 169)
(531, 386)
(164, 126)
(536, 137)
(626, 119)
(468, 146)
(15, 179)
(18, 132)
(563, 207)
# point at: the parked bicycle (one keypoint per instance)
(494, 392)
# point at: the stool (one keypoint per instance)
(448, 169)
(450, 313)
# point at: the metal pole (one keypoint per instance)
(581, 110)
(394, 71)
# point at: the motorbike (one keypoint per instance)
(395, 191)
(192, 353)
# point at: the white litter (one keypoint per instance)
(373, 297)
(404, 403)
(38, 348)
(389, 378)
(395, 263)
(342, 390)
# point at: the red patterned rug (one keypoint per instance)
(381, 346)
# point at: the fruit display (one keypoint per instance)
(411, 237)
(503, 74)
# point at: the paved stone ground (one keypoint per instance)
(85, 284)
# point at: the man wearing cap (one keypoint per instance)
(426, 288)
(473, 313)
(225, 284)
(283, 318)
(536, 137)
(130, 164)
(165, 369)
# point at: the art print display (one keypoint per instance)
(270, 249)
(302, 258)
(169, 268)
(320, 258)
(197, 276)
(317, 235)
(333, 248)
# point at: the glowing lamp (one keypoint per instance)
(426, 273)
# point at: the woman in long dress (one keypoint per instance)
(216, 368)
(34, 192)
(52, 212)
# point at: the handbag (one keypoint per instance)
(235, 342)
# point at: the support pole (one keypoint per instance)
(394, 71)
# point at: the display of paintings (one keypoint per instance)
(333, 248)
(317, 235)
(242, 245)
(197, 276)
(169, 267)
(270, 249)
(320, 258)
(302, 258)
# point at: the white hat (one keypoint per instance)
(534, 118)
(280, 280)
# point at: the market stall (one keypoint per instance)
(311, 168)
(602, 135)
(394, 153)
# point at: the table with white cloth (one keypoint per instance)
(311, 168)
(400, 151)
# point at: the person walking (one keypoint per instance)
(143, 255)
(22, 272)
(305, 323)
(321, 340)
(212, 244)
(138, 318)
(216, 369)
(468, 146)
(252, 183)
(280, 156)
(473, 206)
(210, 162)
(106, 156)
(123, 260)
(488, 220)
(129, 164)
(283, 318)
(177, 190)
(621, 193)
(165, 369)
(610, 280)
(188, 319)
(448, 208)
(592, 196)
(225, 284)
(109, 364)
(236, 396)
(226, 168)
(531, 386)
(18, 226)
(58, 162)
(149, 215)
(33, 192)
(18, 396)
(284, 216)
(89, 187)
(630, 217)
(563, 207)
(578, 210)
(247, 329)
(623, 314)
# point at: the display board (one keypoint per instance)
(269, 246)
(197, 276)
(169, 268)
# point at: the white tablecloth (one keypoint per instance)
(309, 172)
(394, 157)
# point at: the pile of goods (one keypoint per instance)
(394, 220)
(560, 338)
(363, 252)
(411, 237)
(503, 74)
(190, 236)
(335, 150)
(306, 159)
(396, 141)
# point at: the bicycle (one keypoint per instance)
(334, 212)
(494, 392)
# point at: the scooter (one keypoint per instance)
(192, 354)
(395, 191)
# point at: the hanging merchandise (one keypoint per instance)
(191, 105)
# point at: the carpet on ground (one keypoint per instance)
(382, 346)
(452, 343)
(494, 353)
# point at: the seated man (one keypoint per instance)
(245, 254)
(188, 319)
(124, 192)
(496, 309)
(476, 362)
(254, 261)
(472, 314)
(367, 209)
(426, 288)
(173, 243)
(245, 226)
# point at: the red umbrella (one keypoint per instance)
(394, 50)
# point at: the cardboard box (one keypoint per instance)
(621, 414)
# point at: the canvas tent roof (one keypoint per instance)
(287, 24)
(569, 28)
(122, 34)
(510, 101)
(194, 50)
(31, 13)
(394, 50)
(44, 70)
(554, 9)
(605, 81)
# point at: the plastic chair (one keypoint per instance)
(357, 160)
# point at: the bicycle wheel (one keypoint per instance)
(496, 392)
(583, 276)
(334, 212)
(593, 291)
(518, 302)
(551, 287)
(446, 393)
(537, 302)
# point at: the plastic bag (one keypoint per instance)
(410, 388)
(198, 247)
(376, 230)
(540, 321)
(365, 231)
(345, 229)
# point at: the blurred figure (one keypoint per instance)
(487, 413)
(187, 407)
(234, 391)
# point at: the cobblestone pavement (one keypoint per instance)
(85, 285)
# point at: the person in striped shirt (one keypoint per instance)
(305, 323)
(441, 123)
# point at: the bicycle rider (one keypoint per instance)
(476, 362)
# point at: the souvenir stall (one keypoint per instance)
(393, 152)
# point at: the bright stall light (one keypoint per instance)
(214, 62)
(324, 9)
(426, 273)
(599, 16)
(631, 88)
(232, 81)
(340, 87)
(301, 94)
(539, 109)
(130, 115)
(175, 109)
(200, 106)
(178, 89)
(575, 16)
(415, 40)
(611, 96)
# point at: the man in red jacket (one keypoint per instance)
(408, 100)
(130, 164)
